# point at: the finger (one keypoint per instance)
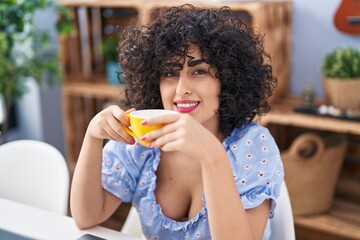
(116, 111)
(153, 135)
(121, 116)
(164, 140)
(130, 110)
(119, 137)
(123, 120)
(170, 146)
(116, 130)
(162, 119)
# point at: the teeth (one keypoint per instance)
(186, 105)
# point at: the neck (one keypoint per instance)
(214, 127)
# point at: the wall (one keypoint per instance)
(40, 111)
(29, 112)
(50, 96)
(314, 34)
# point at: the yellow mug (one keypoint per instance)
(137, 130)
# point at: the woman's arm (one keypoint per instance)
(90, 204)
(227, 216)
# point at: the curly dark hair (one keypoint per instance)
(225, 42)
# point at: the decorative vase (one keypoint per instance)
(113, 72)
(342, 93)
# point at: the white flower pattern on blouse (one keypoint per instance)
(128, 172)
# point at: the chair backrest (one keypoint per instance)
(282, 224)
(132, 224)
(34, 173)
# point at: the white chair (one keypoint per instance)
(282, 224)
(34, 173)
(132, 224)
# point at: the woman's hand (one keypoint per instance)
(109, 124)
(182, 133)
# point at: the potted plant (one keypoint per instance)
(341, 70)
(110, 55)
(26, 52)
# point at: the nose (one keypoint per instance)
(184, 85)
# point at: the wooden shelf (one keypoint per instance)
(86, 91)
(80, 54)
(85, 88)
(95, 90)
(81, 102)
(162, 3)
(342, 222)
(282, 113)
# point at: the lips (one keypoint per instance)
(186, 106)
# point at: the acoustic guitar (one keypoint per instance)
(347, 17)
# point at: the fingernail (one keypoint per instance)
(132, 142)
(144, 122)
(143, 138)
(149, 145)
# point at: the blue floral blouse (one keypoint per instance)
(128, 172)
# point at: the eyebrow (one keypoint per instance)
(192, 62)
(176, 65)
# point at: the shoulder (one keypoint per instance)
(253, 146)
(132, 156)
(122, 166)
(256, 163)
(248, 135)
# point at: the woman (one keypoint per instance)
(210, 172)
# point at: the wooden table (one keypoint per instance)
(35, 223)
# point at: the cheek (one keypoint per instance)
(166, 95)
(213, 92)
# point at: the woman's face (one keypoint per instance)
(191, 87)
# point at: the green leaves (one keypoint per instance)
(64, 25)
(110, 48)
(342, 63)
(15, 15)
(24, 50)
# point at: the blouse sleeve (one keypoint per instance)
(120, 169)
(257, 166)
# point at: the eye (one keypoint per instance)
(169, 74)
(200, 72)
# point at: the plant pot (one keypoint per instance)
(342, 93)
(113, 70)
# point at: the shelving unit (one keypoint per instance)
(84, 67)
(282, 113)
(342, 222)
(85, 89)
(81, 101)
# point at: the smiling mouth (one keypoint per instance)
(186, 107)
